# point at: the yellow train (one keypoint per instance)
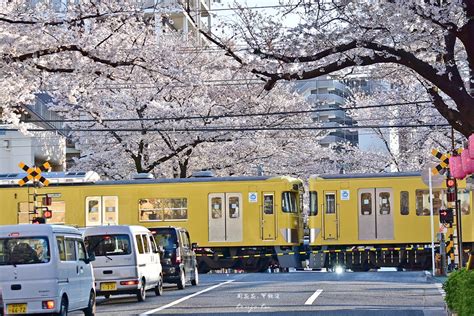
(383, 212)
(360, 221)
(244, 217)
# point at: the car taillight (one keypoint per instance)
(130, 282)
(48, 304)
(176, 257)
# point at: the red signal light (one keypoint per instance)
(450, 183)
(47, 214)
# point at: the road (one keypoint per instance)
(305, 292)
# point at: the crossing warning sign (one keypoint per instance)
(444, 162)
(34, 173)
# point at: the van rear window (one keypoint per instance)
(165, 238)
(108, 245)
(24, 250)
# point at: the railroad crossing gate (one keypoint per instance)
(34, 173)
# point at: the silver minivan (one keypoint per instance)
(44, 269)
(127, 260)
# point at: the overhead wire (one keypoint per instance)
(230, 115)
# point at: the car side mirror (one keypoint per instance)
(194, 245)
(89, 259)
(91, 256)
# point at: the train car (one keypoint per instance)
(365, 221)
(238, 222)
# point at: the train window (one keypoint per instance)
(463, 196)
(234, 207)
(423, 202)
(404, 203)
(216, 203)
(330, 203)
(163, 209)
(288, 203)
(268, 203)
(384, 203)
(313, 203)
(58, 212)
(366, 203)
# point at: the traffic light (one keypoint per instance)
(451, 189)
(38, 220)
(446, 216)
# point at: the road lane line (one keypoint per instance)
(185, 298)
(313, 297)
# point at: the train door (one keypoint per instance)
(384, 214)
(366, 214)
(225, 217)
(268, 216)
(101, 210)
(330, 216)
(375, 214)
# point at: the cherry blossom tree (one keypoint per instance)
(432, 39)
(203, 112)
(405, 148)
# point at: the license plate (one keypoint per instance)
(108, 286)
(16, 308)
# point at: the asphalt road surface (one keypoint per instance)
(296, 293)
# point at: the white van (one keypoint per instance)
(44, 269)
(127, 260)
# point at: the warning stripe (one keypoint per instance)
(291, 253)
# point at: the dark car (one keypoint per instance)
(178, 258)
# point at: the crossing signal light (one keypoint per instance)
(47, 201)
(451, 189)
(446, 216)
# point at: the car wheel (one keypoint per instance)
(63, 308)
(182, 280)
(159, 287)
(90, 310)
(195, 281)
(141, 293)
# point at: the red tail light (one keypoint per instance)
(48, 304)
(131, 282)
(176, 257)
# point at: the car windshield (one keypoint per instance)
(165, 238)
(24, 250)
(108, 245)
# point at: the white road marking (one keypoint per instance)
(313, 297)
(184, 298)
